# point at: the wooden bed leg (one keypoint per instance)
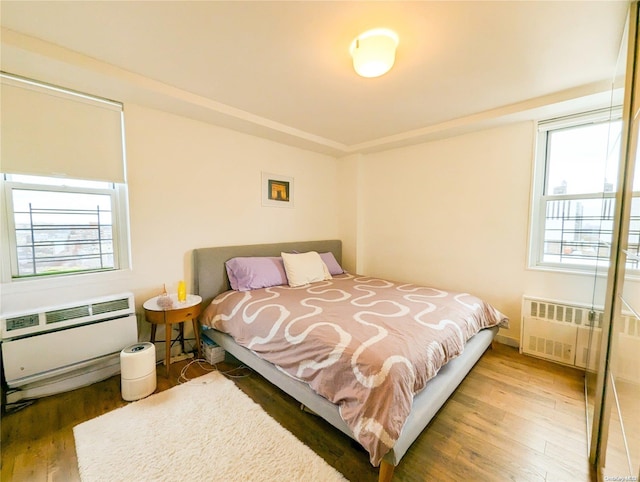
(304, 408)
(386, 471)
(493, 344)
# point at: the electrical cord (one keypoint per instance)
(204, 365)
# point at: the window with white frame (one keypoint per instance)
(63, 182)
(62, 226)
(574, 193)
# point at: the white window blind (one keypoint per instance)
(47, 131)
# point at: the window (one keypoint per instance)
(62, 226)
(63, 183)
(574, 193)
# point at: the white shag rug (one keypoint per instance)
(204, 430)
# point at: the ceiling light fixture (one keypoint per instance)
(374, 52)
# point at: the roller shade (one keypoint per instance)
(47, 131)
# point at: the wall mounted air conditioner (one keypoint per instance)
(60, 348)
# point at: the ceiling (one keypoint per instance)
(282, 70)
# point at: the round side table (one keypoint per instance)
(173, 311)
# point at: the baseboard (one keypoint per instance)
(505, 340)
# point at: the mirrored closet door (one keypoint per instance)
(601, 225)
(615, 429)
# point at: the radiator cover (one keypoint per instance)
(559, 331)
(571, 334)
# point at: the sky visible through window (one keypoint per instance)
(584, 159)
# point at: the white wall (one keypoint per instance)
(192, 185)
(349, 191)
(454, 213)
(450, 213)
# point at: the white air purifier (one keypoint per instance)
(138, 371)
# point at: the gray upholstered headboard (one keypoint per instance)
(209, 272)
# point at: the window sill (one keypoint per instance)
(600, 272)
(23, 285)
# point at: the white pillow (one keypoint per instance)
(304, 268)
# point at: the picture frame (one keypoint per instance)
(277, 190)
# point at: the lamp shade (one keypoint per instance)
(374, 52)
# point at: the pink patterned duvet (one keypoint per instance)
(367, 345)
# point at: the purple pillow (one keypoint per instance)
(251, 273)
(330, 260)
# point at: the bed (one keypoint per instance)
(211, 280)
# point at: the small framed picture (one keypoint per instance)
(277, 190)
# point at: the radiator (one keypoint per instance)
(571, 334)
(558, 331)
(626, 366)
(60, 348)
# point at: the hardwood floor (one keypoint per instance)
(513, 418)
